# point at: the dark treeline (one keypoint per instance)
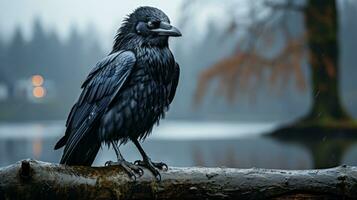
(64, 64)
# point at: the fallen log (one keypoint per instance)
(31, 179)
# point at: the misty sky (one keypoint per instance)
(104, 16)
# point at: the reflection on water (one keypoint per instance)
(189, 144)
(327, 151)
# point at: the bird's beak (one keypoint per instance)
(166, 29)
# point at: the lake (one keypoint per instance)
(185, 143)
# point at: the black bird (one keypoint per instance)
(125, 94)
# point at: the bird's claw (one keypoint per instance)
(159, 165)
(131, 169)
(162, 166)
(152, 166)
(108, 163)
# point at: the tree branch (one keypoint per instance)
(285, 6)
(30, 179)
(246, 66)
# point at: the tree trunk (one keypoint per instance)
(31, 179)
(322, 30)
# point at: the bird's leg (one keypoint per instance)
(129, 167)
(146, 162)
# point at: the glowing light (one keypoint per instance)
(39, 92)
(37, 80)
(37, 147)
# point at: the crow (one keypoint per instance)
(125, 94)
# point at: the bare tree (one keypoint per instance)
(270, 29)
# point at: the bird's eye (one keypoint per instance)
(153, 24)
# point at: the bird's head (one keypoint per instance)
(146, 26)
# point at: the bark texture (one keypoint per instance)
(30, 179)
(321, 19)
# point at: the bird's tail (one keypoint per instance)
(84, 153)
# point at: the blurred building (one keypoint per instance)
(35, 89)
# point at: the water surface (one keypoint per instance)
(181, 143)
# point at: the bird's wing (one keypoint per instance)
(101, 86)
(174, 83)
(100, 65)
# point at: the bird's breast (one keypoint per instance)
(144, 99)
(159, 63)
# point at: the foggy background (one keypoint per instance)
(48, 47)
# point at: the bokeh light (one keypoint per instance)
(37, 80)
(39, 92)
